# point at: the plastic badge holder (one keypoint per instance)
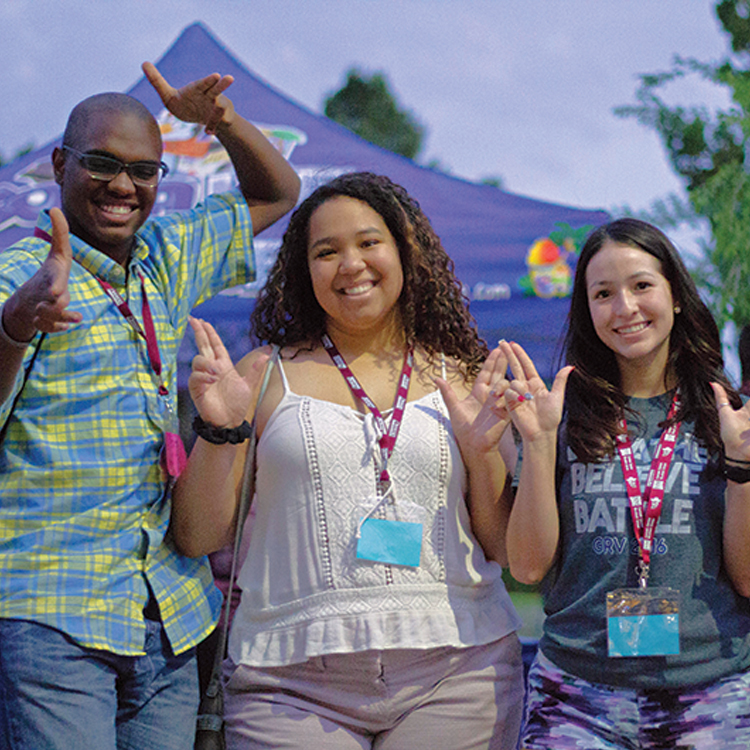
(643, 622)
(394, 542)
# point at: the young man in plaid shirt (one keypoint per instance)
(99, 614)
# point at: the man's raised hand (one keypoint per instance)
(201, 101)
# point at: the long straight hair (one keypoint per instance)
(595, 402)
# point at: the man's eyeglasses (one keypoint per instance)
(106, 168)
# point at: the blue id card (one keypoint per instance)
(393, 542)
(643, 622)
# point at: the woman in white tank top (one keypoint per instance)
(373, 612)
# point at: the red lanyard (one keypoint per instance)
(388, 434)
(645, 527)
(152, 347)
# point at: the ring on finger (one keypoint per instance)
(528, 396)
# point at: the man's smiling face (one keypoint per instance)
(105, 214)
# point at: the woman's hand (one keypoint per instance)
(535, 410)
(479, 420)
(735, 425)
(735, 433)
(220, 394)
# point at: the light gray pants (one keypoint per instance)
(434, 699)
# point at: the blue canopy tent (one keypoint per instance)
(488, 232)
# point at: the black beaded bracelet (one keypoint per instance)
(221, 435)
(737, 474)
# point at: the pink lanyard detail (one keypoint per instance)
(388, 433)
(152, 347)
(645, 523)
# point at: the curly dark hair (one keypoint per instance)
(434, 311)
(594, 399)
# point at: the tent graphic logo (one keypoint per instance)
(202, 161)
(551, 261)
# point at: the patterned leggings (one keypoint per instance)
(567, 713)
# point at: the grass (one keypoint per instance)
(529, 606)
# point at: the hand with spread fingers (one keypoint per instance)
(220, 394)
(534, 408)
(735, 426)
(201, 101)
(479, 420)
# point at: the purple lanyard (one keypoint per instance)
(645, 523)
(152, 347)
(388, 434)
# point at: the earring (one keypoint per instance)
(677, 309)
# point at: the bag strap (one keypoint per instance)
(247, 490)
(26, 374)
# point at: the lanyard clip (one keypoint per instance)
(642, 571)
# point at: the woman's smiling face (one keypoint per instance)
(631, 305)
(355, 265)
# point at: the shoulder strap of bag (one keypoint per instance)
(247, 490)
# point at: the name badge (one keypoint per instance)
(643, 622)
(393, 542)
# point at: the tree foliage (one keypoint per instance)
(708, 151)
(367, 107)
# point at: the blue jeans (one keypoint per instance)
(58, 695)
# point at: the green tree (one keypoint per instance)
(708, 151)
(367, 107)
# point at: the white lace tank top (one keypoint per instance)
(305, 593)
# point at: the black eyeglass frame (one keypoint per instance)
(162, 168)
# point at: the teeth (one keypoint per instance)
(117, 209)
(358, 289)
(632, 329)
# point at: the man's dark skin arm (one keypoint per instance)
(268, 182)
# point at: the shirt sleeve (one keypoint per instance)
(195, 254)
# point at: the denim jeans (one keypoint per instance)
(58, 695)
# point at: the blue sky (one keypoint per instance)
(523, 89)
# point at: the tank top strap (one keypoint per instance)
(276, 360)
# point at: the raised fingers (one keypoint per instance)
(157, 80)
(216, 84)
(720, 396)
(201, 336)
(494, 371)
(209, 342)
(561, 379)
(521, 365)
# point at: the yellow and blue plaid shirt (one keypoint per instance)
(83, 506)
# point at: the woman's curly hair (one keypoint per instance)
(594, 398)
(434, 311)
